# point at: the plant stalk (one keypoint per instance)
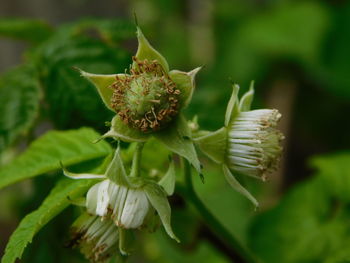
(136, 161)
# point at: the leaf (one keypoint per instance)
(19, 103)
(311, 223)
(177, 138)
(111, 31)
(55, 202)
(159, 201)
(45, 154)
(73, 101)
(31, 30)
(335, 172)
(146, 51)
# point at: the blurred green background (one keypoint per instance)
(298, 53)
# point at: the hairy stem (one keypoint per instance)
(136, 161)
(232, 247)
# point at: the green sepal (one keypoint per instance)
(102, 83)
(246, 100)
(237, 186)
(119, 130)
(116, 171)
(214, 144)
(146, 51)
(185, 82)
(177, 138)
(232, 106)
(168, 180)
(81, 175)
(80, 201)
(158, 199)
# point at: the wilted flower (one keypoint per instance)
(128, 201)
(97, 239)
(249, 144)
(148, 101)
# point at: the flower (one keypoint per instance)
(127, 207)
(148, 101)
(248, 144)
(97, 239)
(129, 201)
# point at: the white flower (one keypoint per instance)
(254, 143)
(127, 207)
(129, 201)
(96, 238)
(248, 144)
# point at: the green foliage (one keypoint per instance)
(333, 70)
(31, 30)
(55, 202)
(44, 154)
(72, 101)
(290, 30)
(311, 223)
(19, 103)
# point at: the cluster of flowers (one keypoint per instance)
(148, 102)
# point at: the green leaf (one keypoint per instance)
(146, 51)
(159, 201)
(119, 130)
(19, 103)
(311, 223)
(169, 179)
(73, 101)
(214, 144)
(45, 154)
(246, 100)
(177, 138)
(55, 202)
(185, 82)
(231, 179)
(111, 31)
(334, 170)
(31, 30)
(232, 106)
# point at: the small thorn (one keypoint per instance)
(75, 68)
(98, 140)
(135, 19)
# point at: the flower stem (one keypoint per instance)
(237, 252)
(136, 161)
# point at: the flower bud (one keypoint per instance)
(147, 99)
(248, 144)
